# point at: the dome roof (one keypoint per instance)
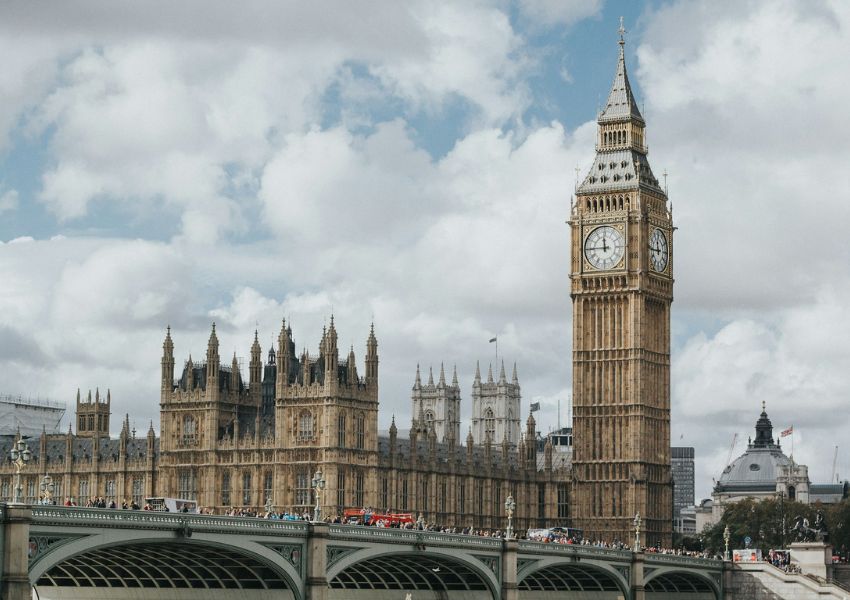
(755, 466)
(759, 465)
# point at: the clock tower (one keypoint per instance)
(622, 288)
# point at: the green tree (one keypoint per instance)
(837, 518)
(767, 523)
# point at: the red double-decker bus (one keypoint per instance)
(360, 516)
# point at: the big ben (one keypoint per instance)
(622, 289)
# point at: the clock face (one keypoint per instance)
(658, 250)
(604, 247)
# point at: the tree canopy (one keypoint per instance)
(768, 523)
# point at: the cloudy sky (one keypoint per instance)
(413, 163)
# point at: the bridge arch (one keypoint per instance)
(152, 561)
(590, 578)
(439, 570)
(687, 584)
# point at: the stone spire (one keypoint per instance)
(442, 382)
(212, 361)
(514, 379)
(502, 378)
(430, 376)
(417, 384)
(372, 357)
(167, 362)
(477, 373)
(255, 370)
(621, 162)
(490, 373)
(454, 377)
(621, 103)
(352, 367)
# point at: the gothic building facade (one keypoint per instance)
(227, 441)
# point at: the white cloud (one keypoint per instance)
(550, 13)
(8, 201)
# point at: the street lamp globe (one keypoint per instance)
(20, 455)
(47, 488)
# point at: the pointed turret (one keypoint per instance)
(502, 378)
(212, 363)
(514, 379)
(442, 382)
(234, 374)
(490, 373)
(430, 377)
(255, 369)
(454, 377)
(167, 363)
(393, 437)
(477, 381)
(284, 358)
(331, 353)
(417, 384)
(372, 358)
(352, 367)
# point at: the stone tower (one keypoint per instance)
(495, 408)
(93, 415)
(437, 406)
(622, 288)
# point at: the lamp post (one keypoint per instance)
(47, 488)
(318, 485)
(20, 456)
(726, 536)
(510, 507)
(637, 532)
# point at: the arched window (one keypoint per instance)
(489, 425)
(360, 432)
(305, 426)
(429, 417)
(792, 492)
(247, 492)
(225, 488)
(190, 430)
(340, 423)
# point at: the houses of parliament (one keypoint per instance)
(229, 438)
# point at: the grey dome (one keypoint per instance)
(756, 465)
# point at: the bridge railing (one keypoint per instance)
(682, 560)
(392, 535)
(574, 550)
(145, 519)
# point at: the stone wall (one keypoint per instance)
(761, 581)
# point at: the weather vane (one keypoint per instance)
(622, 30)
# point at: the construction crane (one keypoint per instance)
(834, 466)
(731, 449)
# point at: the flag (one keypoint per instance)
(534, 406)
(492, 340)
(787, 432)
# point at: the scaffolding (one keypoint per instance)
(29, 415)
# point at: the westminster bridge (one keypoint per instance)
(53, 552)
